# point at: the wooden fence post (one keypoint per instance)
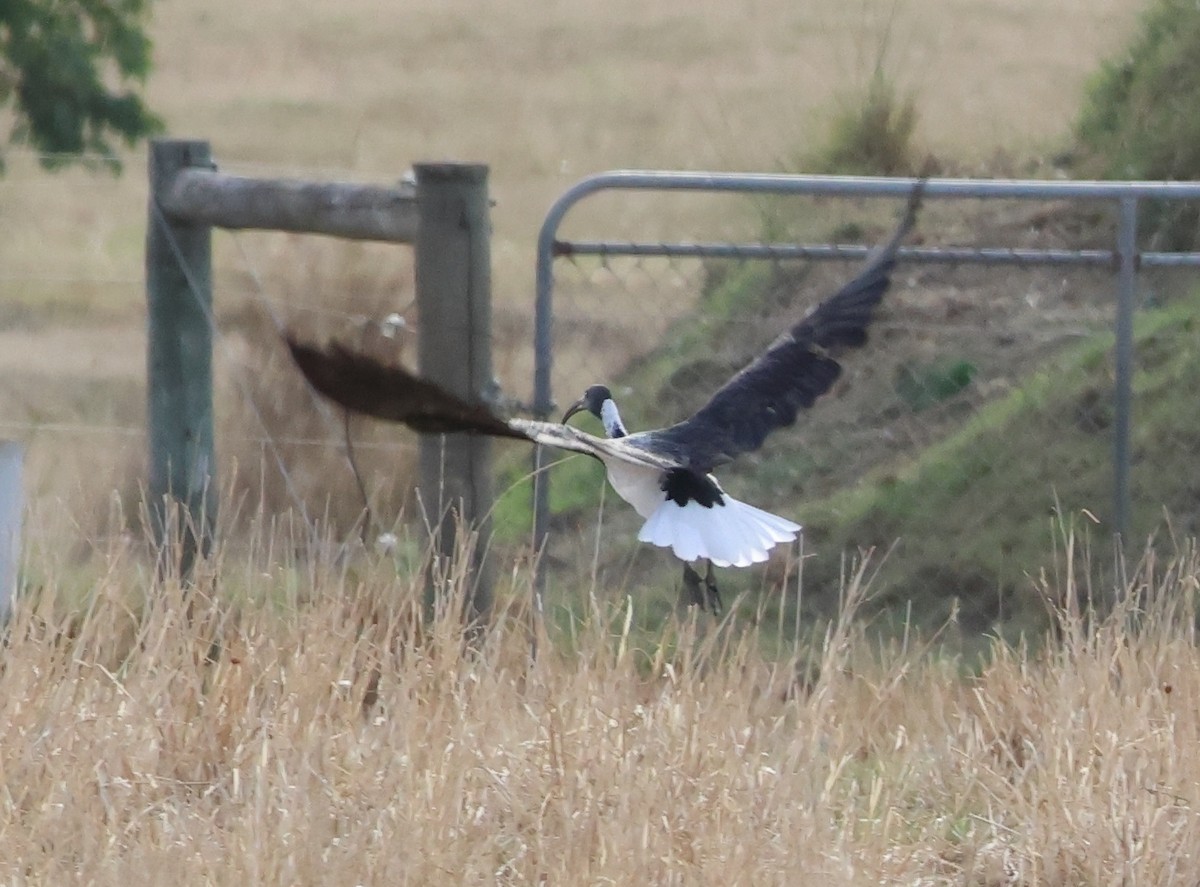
(11, 508)
(183, 500)
(453, 282)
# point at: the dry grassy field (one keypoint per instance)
(313, 729)
(296, 720)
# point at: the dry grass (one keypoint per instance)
(307, 725)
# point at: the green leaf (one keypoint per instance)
(71, 68)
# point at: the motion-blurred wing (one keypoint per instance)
(365, 385)
(793, 372)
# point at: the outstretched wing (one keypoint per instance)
(793, 372)
(365, 385)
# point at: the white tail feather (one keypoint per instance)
(731, 535)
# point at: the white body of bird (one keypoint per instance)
(729, 533)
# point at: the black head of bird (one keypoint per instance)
(598, 401)
(593, 401)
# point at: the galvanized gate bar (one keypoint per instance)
(1168, 260)
(788, 251)
(1124, 258)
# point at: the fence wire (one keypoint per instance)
(73, 355)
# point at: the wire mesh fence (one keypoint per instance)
(947, 341)
(615, 311)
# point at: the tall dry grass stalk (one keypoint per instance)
(309, 723)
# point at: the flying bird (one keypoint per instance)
(665, 474)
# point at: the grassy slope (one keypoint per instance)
(970, 520)
(1037, 459)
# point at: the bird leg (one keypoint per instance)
(698, 592)
(710, 586)
(690, 594)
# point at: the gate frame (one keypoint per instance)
(1124, 258)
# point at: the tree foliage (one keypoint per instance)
(70, 70)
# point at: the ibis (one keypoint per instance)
(665, 474)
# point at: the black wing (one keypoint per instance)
(361, 383)
(793, 372)
(364, 385)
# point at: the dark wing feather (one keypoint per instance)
(793, 372)
(364, 385)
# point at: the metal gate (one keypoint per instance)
(1123, 258)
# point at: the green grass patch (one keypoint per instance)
(1138, 119)
(973, 517)
(872, 133)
